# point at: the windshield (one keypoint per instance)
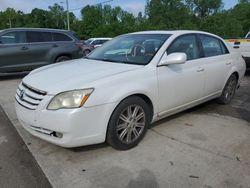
(88, 41)
(132, 49)
(248, 36)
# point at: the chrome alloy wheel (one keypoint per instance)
(230, 88)
(131, 124)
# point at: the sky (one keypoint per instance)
(133, 6)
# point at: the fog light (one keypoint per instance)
(57, 134)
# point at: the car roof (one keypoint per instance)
(99, 38)
(35, 29)
(175, 32)
(172, 32)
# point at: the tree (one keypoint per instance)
(204, 8)
(167, 14)
(241, 12)
(57, 16)
(223, 24)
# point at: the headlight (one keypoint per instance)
(70, 99)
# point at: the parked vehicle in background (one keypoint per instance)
(121, 87)
(93, 43)
(243, 46)
(24, 49)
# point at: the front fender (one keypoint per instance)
(117, 88)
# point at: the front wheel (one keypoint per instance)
(128, 123)
(229, 90)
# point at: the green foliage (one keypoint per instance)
(100, 21)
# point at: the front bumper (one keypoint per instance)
(78, 127)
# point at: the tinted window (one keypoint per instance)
(61, 37)
(186, 44)
(37, 36)
(13, 37)
(248, 36)
(211, 46)
(76, 36)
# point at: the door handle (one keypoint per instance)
(228, 63)
(200, 69)
(55, 45)
(236, 47)
(24, 48)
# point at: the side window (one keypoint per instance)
(61, 37)
(211, 46)
(13, 37)
(37, 36)
(224, 48)
(96, 42)
(186, 44)
(103, 41)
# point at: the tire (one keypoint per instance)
(229, 90)
(62, 58)
(86, 52)
(128, 123)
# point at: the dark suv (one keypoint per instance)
(23, 49)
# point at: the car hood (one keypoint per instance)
(75, 74)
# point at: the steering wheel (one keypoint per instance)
(132, 52)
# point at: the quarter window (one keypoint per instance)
(185, 44)
(13, 38)
(212, 46)
(61, 37)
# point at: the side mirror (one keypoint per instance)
(174, 58)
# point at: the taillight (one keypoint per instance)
(80, 45)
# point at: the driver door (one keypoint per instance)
(181, 84)
(13, 51)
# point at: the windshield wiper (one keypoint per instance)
(111, 60)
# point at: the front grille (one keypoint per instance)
(29, 97)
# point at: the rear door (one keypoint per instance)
(64, 45)
(181, 84)
(39, 45)
(217, 63)
(13, 51)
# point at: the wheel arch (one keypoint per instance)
(63, 54)
(144, 97)
(233, 71)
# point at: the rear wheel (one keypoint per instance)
(229, 90)
(62, 58)
(128, 123)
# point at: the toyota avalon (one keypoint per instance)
(120, 88)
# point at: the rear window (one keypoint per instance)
(76, 36)
(37, 36)
(61, 37)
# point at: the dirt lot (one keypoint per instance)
(206, 146)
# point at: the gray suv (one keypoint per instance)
(24, 49)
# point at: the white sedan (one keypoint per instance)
(120, 88)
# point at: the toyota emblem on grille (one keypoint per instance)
(22, 92)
